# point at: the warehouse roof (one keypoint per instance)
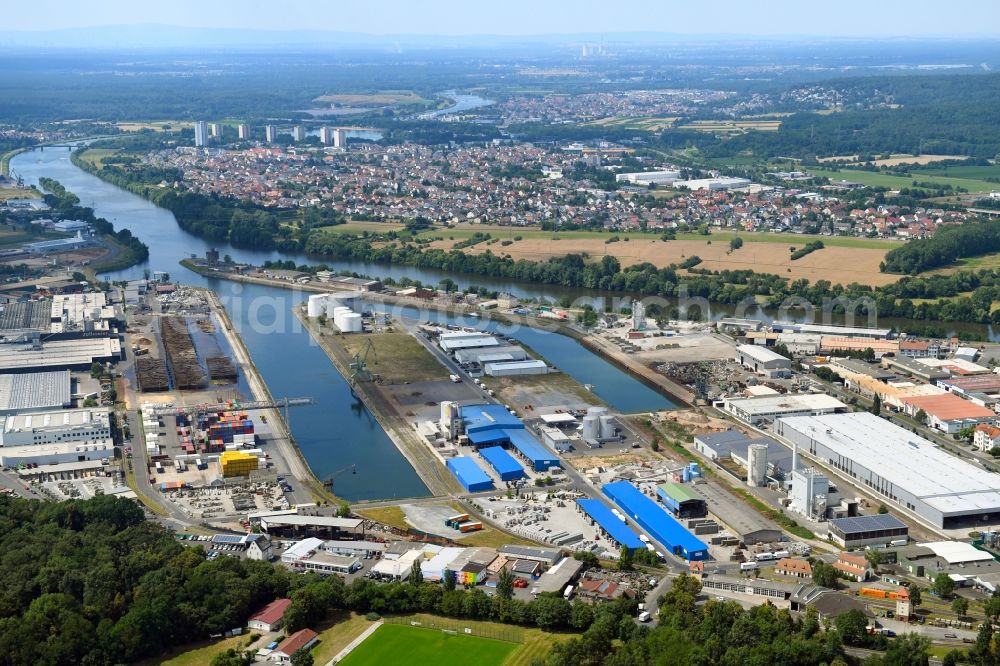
(561, 417)
(487, 417)
(529, 447)
(680, 492)
(15, 357)
(975, 384)
(789, 402)
(862, 524)
(468, 472)
(949, 407)
(513, 365)
(904, 459)
(612, 524)
(501, 461)
(654, 519)
(70, 419)
(761, 354)
(35, 390)
(861, 367)
(317, 521)
(556, 578)
(957, 552)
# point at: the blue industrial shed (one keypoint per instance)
(611, 524)
(506, 466)
(469, 474)
(657, 522)
(493, 425)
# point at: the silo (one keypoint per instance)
(316, 305)
(591, 427)
(757, 465)
(607, 426)
(350, 323)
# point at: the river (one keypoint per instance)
(338, 431)
(460, 102)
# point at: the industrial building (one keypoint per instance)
(505, 465)
(451, 341)
(657, 522)
(491, 354)
(904, 468)
(75, 425)
(610, 525)
(469, 474)
(291, 522)
(949, 413)
(35, 391)
(57, 245)
(833, 329)
(833, 344)
(765, 409)
(555, 438)
(81, 312)
(514, 368)
(682, 500)
(859, 531)
(734, 445)
(53, 354)
(25, 317)
(763, 361)
(492, 424)
(663, 177)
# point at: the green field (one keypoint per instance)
(96, 156)
(401, 644)
(975, 172)
(878, 179)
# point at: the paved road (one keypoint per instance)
(12, 481)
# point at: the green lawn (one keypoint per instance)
(336, 634)
(401, 644)
(878, 179)
(975, 172)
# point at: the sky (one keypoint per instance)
(843, 18)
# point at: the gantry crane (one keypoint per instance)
(359, 364)
(328, 481)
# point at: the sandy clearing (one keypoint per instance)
(836, 264)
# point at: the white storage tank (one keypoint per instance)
(316, 305)
(332, 310)
(350, 323)
(591, 427)
(607, 426)
(757, 465)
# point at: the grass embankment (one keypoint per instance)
(7, 157)
(337, 633)
(396, 356)
(392, 516)
(202, 655)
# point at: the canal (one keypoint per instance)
(338, 431)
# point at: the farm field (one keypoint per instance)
(975, 172)
(96, 156)
(876, 179)
(394, 644)
(896, 159)
(836, 263)
(155, 125)
(360, 227)
(644, 123)
(383, 98)
(732, 126)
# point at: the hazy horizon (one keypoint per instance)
(849, 19)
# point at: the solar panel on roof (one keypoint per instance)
(227, 538)
(858, 524)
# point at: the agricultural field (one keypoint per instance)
(383, 98)
(361, 227)
(396, 356)
(732, 126)
(17, 193)
(837, 262)
(155, 125)
(896, 159)
(96, 156)
(974, 172)
(645, 124)
(395, 643)
(876, 179)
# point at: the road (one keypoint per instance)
(12, 481)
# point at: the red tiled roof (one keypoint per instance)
(948, 407)
(272, 612)
(296, 641)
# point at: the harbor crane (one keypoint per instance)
(281, 403)
(359, 364)
(328, 481)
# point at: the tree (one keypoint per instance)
(625, 559)
(852, 627)
(876, 407)
(736, 243)
(908, 650)
(944, 586)
(448, 580)
(874, 557)
(920, 416)
(824, 575)
(505, 584)
(883, 509)
(991, 607)
(588, 558)
(960, 605)
(966, 433)
(232, 657)
(302, 657)
(96, 370)
(416, 574)
(551, 611)
(344, 510)
(916, 596)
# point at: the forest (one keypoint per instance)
(949, 244)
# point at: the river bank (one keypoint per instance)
(648, 377)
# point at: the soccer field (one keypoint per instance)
(400, 644)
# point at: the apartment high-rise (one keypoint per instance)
(201, 134)
(299, 133)
(326, 135)
(270, 133)
(216, 130)
(339, 138)
(243, 131)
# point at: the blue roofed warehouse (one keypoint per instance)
(658, 523)
(493, 425)
(506, 466)
(469, 474)
(610, 524)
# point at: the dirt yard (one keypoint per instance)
(836, 264)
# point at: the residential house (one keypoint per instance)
(853, 566)
(301, 639)
(269, 618)
(794, 567)
(986, 437)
